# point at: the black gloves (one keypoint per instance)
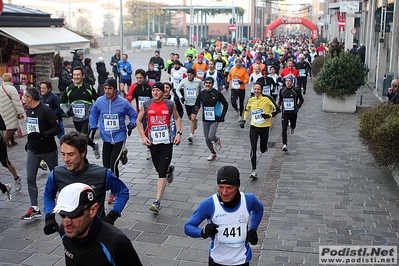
(252, 237)
(130, 128)
(242, 123)
(209, 230)
(182, 100)
(70, 112)
(93, 132)
(50, 225)
(240, 82)
(220, 119)
(111, 217)
(265, 116)
(36, 135)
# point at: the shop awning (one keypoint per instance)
(45, 40)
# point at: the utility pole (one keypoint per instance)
(121, 27)
(191, 22)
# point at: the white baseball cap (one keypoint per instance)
(73, 199)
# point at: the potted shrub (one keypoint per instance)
(379, 130)
(338, 81)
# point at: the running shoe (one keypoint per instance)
(254, 174)
(170, 176)
(155, 206)
(8, 192)
(43, 165)
(31, 214)
(111, 199)
(191, 138)
(218, 144)
(123, 157)
(18, 183)
(292, 130)
(211, 157)
(96, 151)
(237, 114)
(285, 147)
(148, 155)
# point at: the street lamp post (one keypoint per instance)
(121, 28)
(191, 22)
(233, 14)
(109, 30)
(148, 19)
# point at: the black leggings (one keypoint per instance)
(111, 155)
(161, 157)
(254, 134)
(302, 82)
(238, 94)
(83, 127)
(3, 153)
(285, 117)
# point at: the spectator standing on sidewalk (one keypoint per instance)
(228, 213)
(102, 75)
(43, 126)
(89, 74)
(65, 77)
(10, 108)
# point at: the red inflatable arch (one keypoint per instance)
(287, 20)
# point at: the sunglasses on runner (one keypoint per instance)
(80, 214)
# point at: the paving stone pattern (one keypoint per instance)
(326, 190)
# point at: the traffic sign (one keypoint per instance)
(341, 23)
(232, 28)
(353, 31)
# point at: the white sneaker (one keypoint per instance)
(191, 138)
(211, 157)
(254, 174)
(170, 176)
(18, 183)
(96, 151)
(8, 192)
(237, 113)
(148, 155)
(285, 147)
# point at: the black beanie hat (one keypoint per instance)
(159, 85)
(228, 175)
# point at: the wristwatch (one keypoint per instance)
(179, 132)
